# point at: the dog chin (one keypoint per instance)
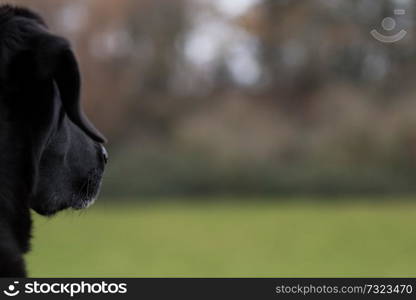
(76, 205)
(49, 211)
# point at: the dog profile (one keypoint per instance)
(51, 157)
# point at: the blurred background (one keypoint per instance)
(247, 138)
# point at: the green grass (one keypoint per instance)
(228, 239)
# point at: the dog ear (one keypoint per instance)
(56, 60)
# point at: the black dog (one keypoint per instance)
(51, 156)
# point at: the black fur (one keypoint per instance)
(51, 156)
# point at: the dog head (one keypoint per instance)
(48, 145)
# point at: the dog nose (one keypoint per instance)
(104, 154)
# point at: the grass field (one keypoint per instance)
(228, 239)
